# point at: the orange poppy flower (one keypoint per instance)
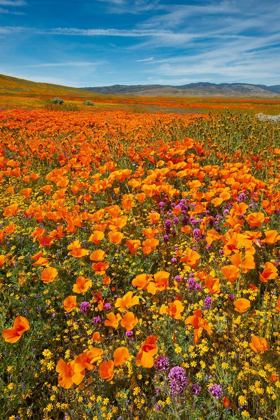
(154, 217)
(129, 321)
(82, 285)
(98, 255)
(2, 260)
(76, 250)
(140, 197)
(41, 261)
(106, 280)
(246, 263)
(117, 223)
(113, 320)
(49, 274)
(258, 344)
(141, 281)
(217, 201)
(106, 370)
(230, 272)
(149, 245)
(226, 402)
(255, 219)
(127, 301)
(26, 192)
(191, 258)
(212, 235)
(115, 237)
(96, 337)
(127, 202)
(213, 285)
(100, 267)
(161, 280)
(68, 376)
(242, 305)
(270, 272)
(173, 310)
(133, 245)
(12, 335)
(96, 237)
(47, 189)
(87, 359)
(147, 352)
(271, 237)
(11, 210)
(121, 356)
(11, 190)
(199, 325)
(70, 303)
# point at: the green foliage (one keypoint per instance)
(90, 103)
(57, 101)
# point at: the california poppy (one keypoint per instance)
(258, 344)
(127, 301)
(147, 352)
(230, 272)
(12, 335)
(129, 321)
(121, 356)
(161, 280)
(242, 305)
(68, 376)
(112, 320)
(96, 237)
(70, 303)
(115, 237)
(199, 324)
(141, 281)
(106, 370)
(87, 359)
(49, 274)
(82, 285)
(97, 255)
(270, 272)
(173, 310)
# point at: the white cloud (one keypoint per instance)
(12, 3)
(10, 12)
(69, 64)
(145, 60)
(109, 32)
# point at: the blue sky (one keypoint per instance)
(105, 42)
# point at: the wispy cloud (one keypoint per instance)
(12, 3)
(10, 12)
(135, 33)
(6, 30)
(69, 64)
(131, 6)
(145, 60)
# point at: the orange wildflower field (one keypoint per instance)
(139, 262)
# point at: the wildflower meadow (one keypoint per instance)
(139, 264)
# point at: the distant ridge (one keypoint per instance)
(14, 86)
(193, 89)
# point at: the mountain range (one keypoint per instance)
(192, 89)
(14, 86)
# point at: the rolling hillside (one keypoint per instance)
(14, 86)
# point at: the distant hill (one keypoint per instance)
(13, 86)
(193, 89)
